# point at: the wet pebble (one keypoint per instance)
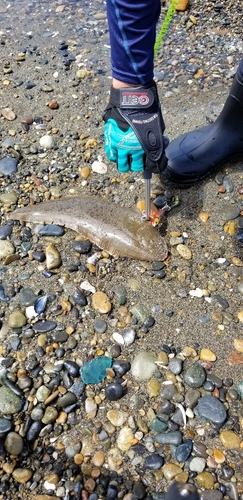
(114, 391)
(82, 247)
(153, 462)
(212, 409)
(51, 230)
(44, 326)
(195, 376)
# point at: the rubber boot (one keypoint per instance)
(194, 155)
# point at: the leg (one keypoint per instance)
(194, 155)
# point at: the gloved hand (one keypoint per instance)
(134, 128)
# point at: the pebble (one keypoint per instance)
(207, 355)
(114, 391)
(184, 252)
(47, 142)
(22, 476)
(195, 376)
(51, 230)
(99, 167)
(8, 114)
(153, 462)
(143, 366)
(197, 464)
(44, 326)
(100, 325)
(53, 257)
(17, 319)
(125, 438)
(6, 249)
(10, 403)
(101, 303)
(117, 418)
(14, 443)
(183, 451)
(205, 480)
(173, 437)
(94, 371)
(82, 247)
(229, 439)
(212, 409)
(171, 471)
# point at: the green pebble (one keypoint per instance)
(139, 312)
(158, 426)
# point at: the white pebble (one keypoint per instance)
(118, 338)
(189, 413)
(85, 285)
(99, 167)
(46, 142)
(30, 312)
(196, 293)
(197, 464)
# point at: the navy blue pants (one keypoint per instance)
(132, 25)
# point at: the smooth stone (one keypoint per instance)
(158, 425)
(8, 166)
(205, 480)
(79, 298)
(77, 388)
(211, 495)
(143, 366)
(44, 326)
(139, 312)
(5, 231)
(184, 251)
(114, 391)
(183, 451)
(195, 376)
(42, 393)
(6, 249)
(153, 462)
(239, 388)
(212, 409)
(121, 294)
(215, 380)
(8, 198)
(100, 326)
(22, 476)
(124, 439)
(230, 439)
(17, 319)
(99, 458)
(176, 366)
(9, 402)
(171, 471)
(37, 413)
(191, 397)
(47, 142)
(53, 257)
(51, 230)
(94, 371)
(61, 336)
(207, 355)
(82, 247)
(139, 490)
(91, 408)
(66, 400)
(117, 417)
(5, 426)
(229, 212)
(200, 449)
(27, 297)
(197, 464)
(153, 387)
(50, 415)
(14, 443)
(3, 296)
(173, 437)
(120, 367)
(101, 303)
(168, 392)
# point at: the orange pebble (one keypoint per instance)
(53, 105)
(218, 456)
(203, 216)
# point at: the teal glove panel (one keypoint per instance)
(123, 147)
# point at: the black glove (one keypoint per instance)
(134, 129)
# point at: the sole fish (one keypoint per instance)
(118, 230)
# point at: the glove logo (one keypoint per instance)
(134, 98)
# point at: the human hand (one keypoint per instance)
(134, 128)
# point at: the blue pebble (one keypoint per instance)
(8, 166)
(51, 230)
(5, 231)
(183, 451)
(3, 296)
(94, 371)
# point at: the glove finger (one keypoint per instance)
(137, 164)
(110, 149)
(122, 161)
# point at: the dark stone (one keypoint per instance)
(66, 400)
(153, 462)
(8, 166)
(183, 451)
(169, 438)
(44, 326)
(51, 230)
(212, 409)
(111, 492)
(114, 391)
(82, 246)
(195, 376)
(39, 256)
(121, 367)
(34, 430)
(5, 231)
(100, 325)
(79, 298)
(139, 490)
